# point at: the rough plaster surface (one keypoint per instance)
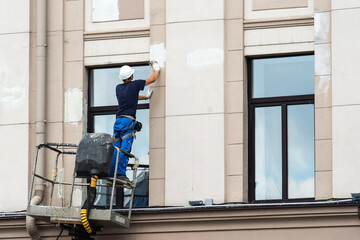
(324, 84)
(158, 53)
(14, 104)
(14, 78)
(322, 27)
(322, 59)
(250, 13)
(278, 4)
(205, 57)
(195, 68)
(193, 142)
(14, 167)
(345, 99)
(194, 102)
(345, 57)
(77, 198)
(60, 188)
(341, 4)
(73, 109)
(286, 35)
(196, 10)
(14, 16)
(105, 10)
(346, 151)
(111, 25)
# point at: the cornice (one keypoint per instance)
(93, 36)
(278, 23)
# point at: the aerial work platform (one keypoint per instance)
(67, 215)
(71, 215)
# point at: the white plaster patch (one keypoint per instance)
(321, 26)
(322, 59)
(105, 10)
(158, 53)
(73, 109)
(77, 198)
(10, 90)
(60, 178)
(205, 57)
(323, 85)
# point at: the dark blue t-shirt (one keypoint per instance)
(127, 95)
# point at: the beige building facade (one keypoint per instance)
(202, 136)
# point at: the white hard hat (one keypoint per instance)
(126, 72)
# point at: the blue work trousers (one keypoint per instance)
(122, 126)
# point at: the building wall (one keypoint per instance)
(14, 103)
(323, 101)
(199, 111)
(194, 101)
(345, 96)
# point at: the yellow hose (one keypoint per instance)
(93, 181)
(85, 221)
(86, 206)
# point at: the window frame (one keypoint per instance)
(106, 110)
(283, 102)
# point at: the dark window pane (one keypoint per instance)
(104, 80)
(268, 154)
(283, 76)
(301, 151)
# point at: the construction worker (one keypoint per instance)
(125, 125)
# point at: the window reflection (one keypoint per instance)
(140, 147)
(103, 82)
(301, 151)
(104, 123)
(283, 76)
(268, 153)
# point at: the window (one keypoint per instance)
(281, 128)
(102, 110)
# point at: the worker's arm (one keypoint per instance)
(148, 95)
(155, 75)
(152, 78)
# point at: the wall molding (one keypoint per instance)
(94, 36)
(278, 23)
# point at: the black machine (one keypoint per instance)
(94, 154)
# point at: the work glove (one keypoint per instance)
(149, 94)
(155, 65)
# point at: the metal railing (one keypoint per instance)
(70, 149)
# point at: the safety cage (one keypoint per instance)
(72, 209)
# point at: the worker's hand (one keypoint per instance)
(155, 65)
(149, 94)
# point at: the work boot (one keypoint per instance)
(123, 178)
(119, 179)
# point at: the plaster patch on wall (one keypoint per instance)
(322, 59)
(60, 178)
(324, 83)
(205, 57)
(77, 198)
(321, 26)
(158, 53)
(73, 109)
(105, 10)
(10, 90)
